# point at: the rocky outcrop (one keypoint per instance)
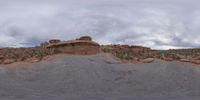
(54, 41)
(44, 45)
(83, 46)
(87, 38)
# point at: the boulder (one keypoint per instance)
(197, 58)
(184, 60)
(148, 60)
(87, 38)
(8, 61)
(195, 61)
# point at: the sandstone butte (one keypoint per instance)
(86, 46)
(83, 46)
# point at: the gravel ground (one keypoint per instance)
(68, 77)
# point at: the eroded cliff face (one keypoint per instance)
(82, 46)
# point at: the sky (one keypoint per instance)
(159, 24)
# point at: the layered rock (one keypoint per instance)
(87, 38)
(83, 46)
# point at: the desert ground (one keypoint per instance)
(99, 77)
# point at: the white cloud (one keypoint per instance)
(159, 24)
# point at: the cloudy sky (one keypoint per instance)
(159, 24)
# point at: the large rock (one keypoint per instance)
(83, 46)
(8, 61)
(87, 38)
(148, 60)
(197, 58)
(184, 60)
(195, 61)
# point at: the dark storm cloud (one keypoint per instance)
(158, 24)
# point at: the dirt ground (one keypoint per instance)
(98, 77)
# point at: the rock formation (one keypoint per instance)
(87, 38)
(83, 46)
(86, 46)
(54, 41)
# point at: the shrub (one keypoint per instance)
(40, 53)
(123, 55)
(149, 56)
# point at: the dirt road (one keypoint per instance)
(99, 78)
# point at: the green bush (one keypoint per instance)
(40, 53)
(123, 55)
(149, 56)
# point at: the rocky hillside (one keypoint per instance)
(86, 46)
(139, 54)
(11, 55)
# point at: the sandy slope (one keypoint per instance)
(99, 78)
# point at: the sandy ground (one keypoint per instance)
(99, 78)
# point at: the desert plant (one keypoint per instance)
(40, 53)
(120, 54)
(123, 55)
(149, 56)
